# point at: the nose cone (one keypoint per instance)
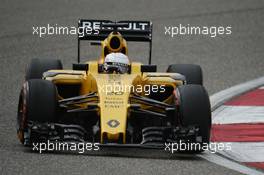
(114, 102)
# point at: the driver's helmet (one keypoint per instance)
(116, 62)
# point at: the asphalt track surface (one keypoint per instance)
(226, 61)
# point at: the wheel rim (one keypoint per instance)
(21, 114)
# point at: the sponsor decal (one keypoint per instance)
(113, 123)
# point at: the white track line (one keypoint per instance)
(217, 100)
(221, 97)
(219, 160)
(245, 151)
(251, 114)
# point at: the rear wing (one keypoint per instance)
(98, 30)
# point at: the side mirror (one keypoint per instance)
(84, 67)
(148, 68)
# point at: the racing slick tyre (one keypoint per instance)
(192, 72)
(38, 103)
(38, 66)
(195, 110)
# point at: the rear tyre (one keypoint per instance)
(37, 67)
(37, 102)
(195, 110)
(192, 72)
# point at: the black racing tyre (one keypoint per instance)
(195, 110)
(192, 72)
(37, 66)
(38, 103)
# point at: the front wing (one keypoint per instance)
(152, 137)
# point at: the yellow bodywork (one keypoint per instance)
(113, 105)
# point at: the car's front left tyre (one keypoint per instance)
(195, 110)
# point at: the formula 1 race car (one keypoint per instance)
(112, 100)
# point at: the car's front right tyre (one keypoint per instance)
(38, 103)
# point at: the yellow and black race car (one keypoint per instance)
(113, 100)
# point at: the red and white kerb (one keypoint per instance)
(241, 122)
